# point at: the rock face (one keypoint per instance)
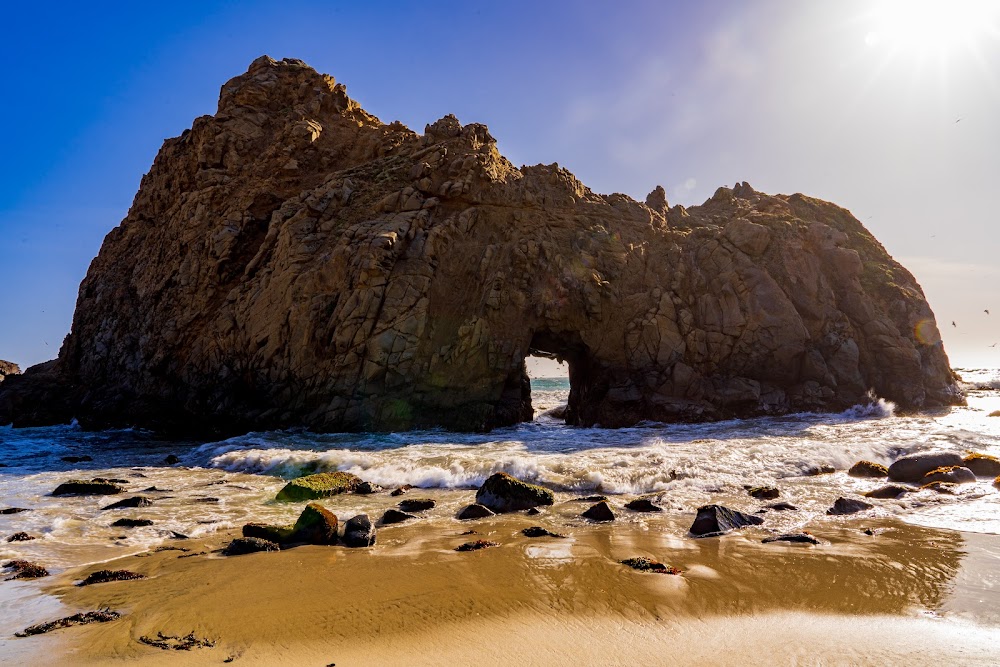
(293, 261)
(8, 368)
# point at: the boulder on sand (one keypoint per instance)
(315, 525)
(475, 511)
(320, 485)
(503, 493)
(248, 545)
(359, 532)
(848, 506)
(392, 516)
(913, 468)
(643, 505)
(715, 520)
(889, 491)
(868, 469)
(599, 512)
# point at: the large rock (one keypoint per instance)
(315, 525)
(293, 261)
(320, 485)
(716, 520)
(359, 532)
(913, 468)
(8, 368)
(503, 493)
(94, 487)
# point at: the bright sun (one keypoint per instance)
(932, 27)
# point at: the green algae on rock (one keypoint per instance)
(504, 493)
(320, 485)
(868, 469)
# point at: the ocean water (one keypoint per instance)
(221, 485)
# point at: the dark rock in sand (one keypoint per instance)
(359, 532)
(477, 545)
(538, 531)
(249, 545)
(643, 505)
(104, 576)
(76, 459)
(176, 643)
(715, 520)
(848, 506)
(475, 511)
(868, 469)
(599, 512)
(315, 525)
(320, 485)
(95, 487)
(820, 470)
(101, 616)
(171, 460)
(763, 492)
(948, 488)
(392, 516)
(14, 510)
(367, 488)
(643, 564)
(132, 523)
(20, 537)
(983, 465)
(206, 499)
(401, 490)
(888, 492)
(913, 468)
(532, 511)
(589, 499)
(135, 501)
(782, 507)
(503, 493)
(22, 569)
(951, 474)
(792, 537)
(416, 505)
(263, 531)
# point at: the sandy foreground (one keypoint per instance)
(907, 593)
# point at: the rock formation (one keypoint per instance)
(292, 260)
(8, 368)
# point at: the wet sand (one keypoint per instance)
(907, 593)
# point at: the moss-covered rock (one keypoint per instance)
(983, 465)
(263, 531)
(249, 545)
(504, 493)
(763, 492)
(320, 485)
(94, 487)
(951, 474)
(868, 469)
(316, 525)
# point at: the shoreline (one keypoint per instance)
(412, 599)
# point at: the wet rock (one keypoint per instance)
(174, 535)
(782, 507)
(868, 469)
(475, 511)
(153, 489)
(401, 490)
(134, 501)
(983, 465)
(20, 537)
(951, 474)
(538, 531)
(643, 505)
(392, 516)
(590, 499)
(315, 525)
(947, 488)
(913, 468)
(848, 506)
(176, 643)
(14, 510)
(264, 531)
(599, 512)
(820, 470)
(206, 499)
(532, 511)
(76, 459)
(643, 564)
(763, 492)
(132, 523)
(359, 532)
(504, 493)
(792, 537)
(104, 576)
(715, 520)
(888, 492)
(101, 616)
(320, 485)
(171, 460)
(95, 487)
(367, 488)
(248, 545)
(477, 545)
(22, 569)
(416, 505)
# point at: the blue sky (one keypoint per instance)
(887, 112)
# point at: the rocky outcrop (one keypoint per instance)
(8, 368)
(294, 261)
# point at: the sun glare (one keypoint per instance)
(928, 27)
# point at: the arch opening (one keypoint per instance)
(567, 358)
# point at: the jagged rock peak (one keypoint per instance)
(293, 261)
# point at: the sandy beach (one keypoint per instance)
(905, 593)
